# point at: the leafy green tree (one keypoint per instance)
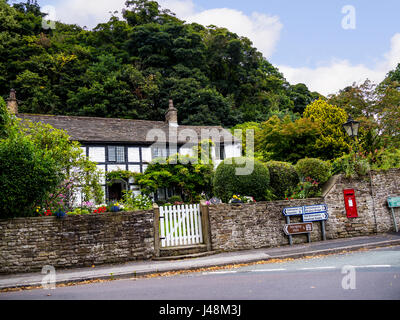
(287, 140)
(130, 67)
(5, 119)
(185, 176)
(332, 141)
(28, 174)
(376, 107)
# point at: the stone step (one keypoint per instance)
(186, 256)
(182, 250)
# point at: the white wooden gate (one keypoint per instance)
(180, 225)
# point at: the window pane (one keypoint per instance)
(111, 153)
(159, 152)
(221, 152)
(120, 154)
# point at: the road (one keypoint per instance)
(372, 274)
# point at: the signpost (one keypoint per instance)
(293, 211)
(315, 208)
(319, 216)
(394, 202)
(298, 228)
(310, 214)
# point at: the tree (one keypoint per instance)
(332, 141)
(187, 177)
(287, 140)
(130, 67)
(376, 107)
(28, 174)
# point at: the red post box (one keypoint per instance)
(350, 203)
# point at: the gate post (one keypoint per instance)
(156, 224)
(205, 221)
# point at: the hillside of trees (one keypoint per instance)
(130, 67)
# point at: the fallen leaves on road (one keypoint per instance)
(180, 272)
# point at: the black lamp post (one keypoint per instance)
(351, 127)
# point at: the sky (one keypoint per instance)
(327, 45)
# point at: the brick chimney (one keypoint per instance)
(12, 104)
(171, 116)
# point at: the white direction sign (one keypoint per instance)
(319, 216)
(315, 208)
(293, 211)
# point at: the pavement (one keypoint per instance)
(141, 268)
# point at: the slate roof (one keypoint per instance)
(93, 129)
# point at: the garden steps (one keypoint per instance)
(187, 256)
(183, 252)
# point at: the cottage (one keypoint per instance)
(125, 144)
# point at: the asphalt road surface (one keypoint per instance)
(364, 275)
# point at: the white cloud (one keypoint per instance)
(338, 74)
(88, 12)
(263, 30)
(182, 8)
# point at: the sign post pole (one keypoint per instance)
(310, 214)
(323, 230)
(290, 237)
(394, 202)
(394, 220)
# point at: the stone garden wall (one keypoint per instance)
(256, 225)
(249, 226)
(27, 244)
(374, 215)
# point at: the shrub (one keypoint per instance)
(283, 177)
(351, 165)
(175, 199)
(227, 182)
(180, 173)
(314, 168)
(308, 188)
(27, 176)
(132, 202)
(384, 159)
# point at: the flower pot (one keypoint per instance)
(60, 214)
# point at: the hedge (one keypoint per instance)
(314, 168)
(227, 182)
(283, 177)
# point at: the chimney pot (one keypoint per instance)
(171, 116)
(12, 103)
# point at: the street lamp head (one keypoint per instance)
(351, 127)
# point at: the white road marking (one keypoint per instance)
(374, 266)
(317, 268)
(267, 270)
(218, 272)
(305, 268)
